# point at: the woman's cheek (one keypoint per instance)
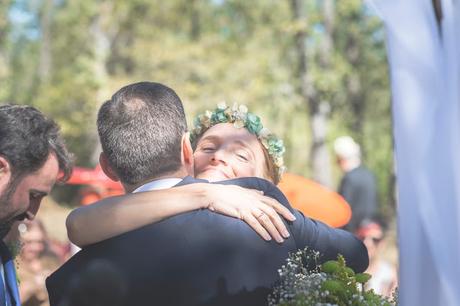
(198, 160)
(245, 170)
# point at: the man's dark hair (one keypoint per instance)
(141, 130)
(27, 138)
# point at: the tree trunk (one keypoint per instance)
(195, 29)
(45, 65)
(355, 92)
(102, 42)
(317, 110)
(4, 29)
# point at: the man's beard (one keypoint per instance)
(5, 228)
(7, 221)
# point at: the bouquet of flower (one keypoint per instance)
(332, 283)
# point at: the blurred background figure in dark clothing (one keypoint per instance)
(358, 185)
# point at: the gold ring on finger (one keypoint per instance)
(261, 214)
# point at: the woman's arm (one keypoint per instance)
(116, 215)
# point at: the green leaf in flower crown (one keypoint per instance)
(219, 116)
(196, 121)
(276, 146)
(253, 123)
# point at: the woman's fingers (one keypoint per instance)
(279, 208)
(256, 225)
(259, 211)
(269, 226)
(275, 219)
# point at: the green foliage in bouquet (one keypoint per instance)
(332, 283)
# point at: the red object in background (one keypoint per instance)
(98, 184)
(315, 200)
(311, 198)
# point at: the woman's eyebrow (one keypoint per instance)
(210, 138)
(242, 143)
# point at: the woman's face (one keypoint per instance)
(226, 152)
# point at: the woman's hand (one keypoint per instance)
(259, 211)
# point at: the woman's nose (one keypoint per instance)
(219, 157)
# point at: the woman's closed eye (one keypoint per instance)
(208, 149)
(244, 156)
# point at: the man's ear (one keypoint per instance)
(5, 172)
(105, 165)
(187, 154)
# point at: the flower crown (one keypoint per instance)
(240, 117)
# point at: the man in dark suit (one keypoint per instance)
(32, 153)
(196, 258)
(358, 185)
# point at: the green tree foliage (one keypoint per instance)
(67, 57)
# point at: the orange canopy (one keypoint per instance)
(98, 184)
(315, 200)
(93, 177)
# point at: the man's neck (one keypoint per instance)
(351, 164)
(178, 174)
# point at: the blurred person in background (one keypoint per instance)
(358, 185)
(35, 262)
(384, 275)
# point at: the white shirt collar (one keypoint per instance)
(158, 184)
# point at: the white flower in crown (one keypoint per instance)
(243, 109)
(196, 130)
(264, 142)
(235, 107)
(239, 123)
(264, 133)
(238, 115)
(205, 119)
(222, 105)
(279, 162)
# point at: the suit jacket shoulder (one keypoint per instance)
(314, 234)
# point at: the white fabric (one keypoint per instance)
(382, 278)
(158, 184)
(425, 80)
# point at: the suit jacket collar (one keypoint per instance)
(157, 184)
(190, 180)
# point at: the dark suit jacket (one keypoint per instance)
(359, 188)
(203, 258)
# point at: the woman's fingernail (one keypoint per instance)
(280, 240)
(286, 234)
(267, 237)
